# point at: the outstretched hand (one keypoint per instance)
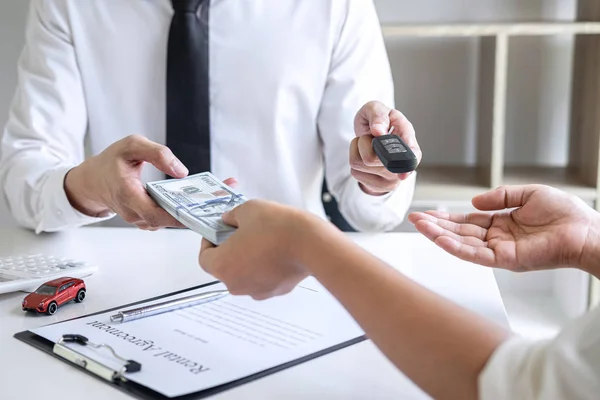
(545, 228)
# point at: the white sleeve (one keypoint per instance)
(44, 135)
(567, 367)
(359, 73)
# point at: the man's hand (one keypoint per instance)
(261, 258)
(546, 228)
(375, 119)
(111, 181)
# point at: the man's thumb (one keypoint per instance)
(379, 126)
(503, 197)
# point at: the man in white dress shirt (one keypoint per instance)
(450, 352)
(286, 80)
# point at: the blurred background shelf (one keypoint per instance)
(562, 178)
(439, 184)
(443, 184)
(536, 28)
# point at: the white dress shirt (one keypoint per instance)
(287, 78)
(564, 368)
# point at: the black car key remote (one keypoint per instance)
(395, 155)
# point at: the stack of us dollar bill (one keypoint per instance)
(198, 202)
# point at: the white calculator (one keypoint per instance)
(28, 272)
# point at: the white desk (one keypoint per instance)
(136, 265)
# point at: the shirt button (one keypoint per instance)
(327, 197)
(59, 213)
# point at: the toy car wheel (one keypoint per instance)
(52, 307)
(80, 296)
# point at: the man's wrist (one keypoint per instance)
(75, 187)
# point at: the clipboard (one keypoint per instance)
(141, 392)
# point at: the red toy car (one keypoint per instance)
(55, 293)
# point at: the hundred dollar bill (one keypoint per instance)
(198, 202)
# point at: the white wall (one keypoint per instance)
(12, 22)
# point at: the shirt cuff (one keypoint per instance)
(57, 212)
(379, 213)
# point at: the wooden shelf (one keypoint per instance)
(460, 184)
(560, 178)
(495, 29)
(442, 184)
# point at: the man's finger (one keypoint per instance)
(231, 182)
(379, 118)
(380, 171)
(128, 215)
(143, 226)
(149, 211)
(405, 129)
(357, 163)
(367, 154)
(375, 183)
(504, 197)
(138, 148)
(478, 255)
(376, 115)
(354, 156)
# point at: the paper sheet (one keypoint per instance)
(211, 344)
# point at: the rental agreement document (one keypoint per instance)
(215, 343)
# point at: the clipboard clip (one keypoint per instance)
(90, 365)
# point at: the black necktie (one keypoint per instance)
(188, 103)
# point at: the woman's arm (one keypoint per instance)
(439, 345)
